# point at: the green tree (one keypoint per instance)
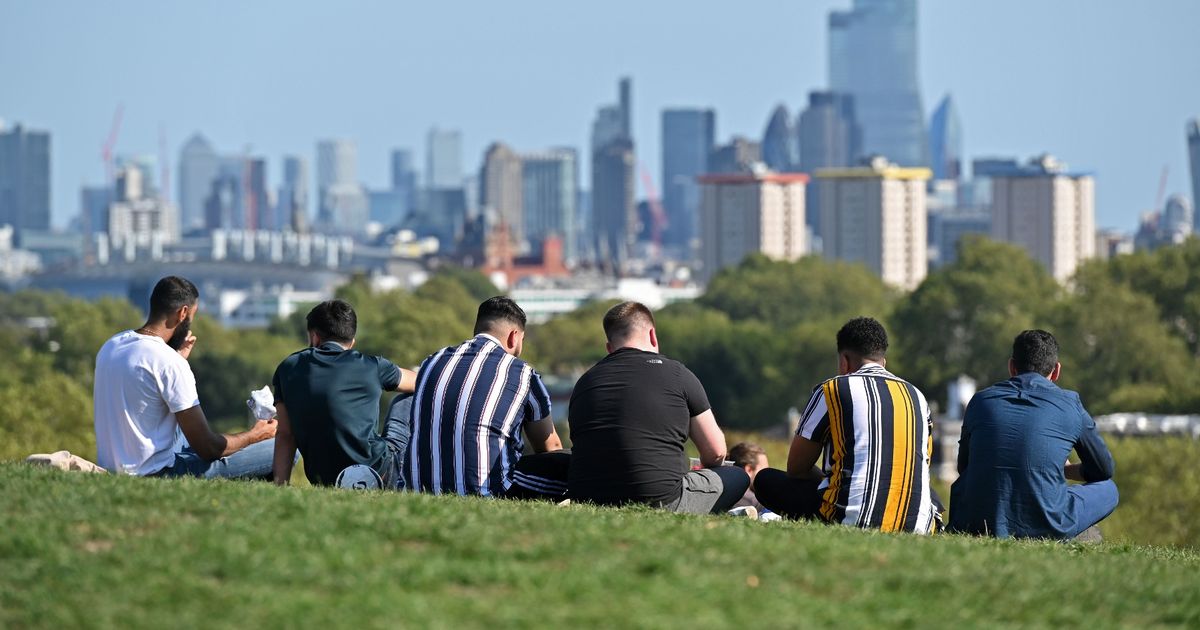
(963, 317)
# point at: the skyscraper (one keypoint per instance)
(198, 166)
(224, 207)
(876, 215)
(404, 178)
(293, 194)
(744, 213)
(779, 142)
(614, 215)
(946, 141)
(24, 180)
(739, 156)
(550, 193)
(260, 214)
(1048, 212)
(343, 202)
(443, 158)
(688, 136)
(500, 185)
(1193, 134)
(830, 137)
(873, 57)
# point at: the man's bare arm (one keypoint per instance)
(802, 459)
(708, 438)
(211, 445)
(542, 436)
(408, 382)
(285, 447)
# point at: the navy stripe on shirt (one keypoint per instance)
(471, 403)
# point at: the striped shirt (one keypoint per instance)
(878, 436)
(470, 405)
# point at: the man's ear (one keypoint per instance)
(1012, 368)
(654, 338)
(510, 341)
(608, 347)
(1056, 373)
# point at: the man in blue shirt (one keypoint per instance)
(1016, 436)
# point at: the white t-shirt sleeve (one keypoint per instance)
(178, 386)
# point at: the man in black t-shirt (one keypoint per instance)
(327, 399)
(630, 416)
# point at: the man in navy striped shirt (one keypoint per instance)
(471, 405)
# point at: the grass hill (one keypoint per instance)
(79, 550)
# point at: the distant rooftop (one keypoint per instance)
(1038, 166)
(876, 166)
(754, 177)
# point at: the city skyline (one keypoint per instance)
(1061, 98)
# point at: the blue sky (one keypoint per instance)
(1106, 86)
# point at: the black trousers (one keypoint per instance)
(787, 496)
(541, 476)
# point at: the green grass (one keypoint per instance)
(79, 550)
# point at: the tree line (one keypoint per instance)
(759, 339)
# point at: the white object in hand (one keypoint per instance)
(262, 403)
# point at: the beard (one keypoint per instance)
(181, 334)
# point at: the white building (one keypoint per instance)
(876, 215)
(543, 303)
(1048, 212)
(746, 213)
(138, 221)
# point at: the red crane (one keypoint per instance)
(106, 150)
(658, 215)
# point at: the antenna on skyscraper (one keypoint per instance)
(1162, 189)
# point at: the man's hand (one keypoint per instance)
(186, 349)
(263, 430)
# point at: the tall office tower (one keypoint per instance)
(24, 180)
(1176, 224)
(260, 213)
(500, 185)
(1193, 135)
(614, 214)
(873, 57)
(744, 213)
(343, 204)
(443, 158)
(198, 166)
(404, 178)
(739, 156)
(292, 205)
(93, 208)
(550, 193)
(137, 219)
(224, 207)
(779, 142)
(688, 136)
(946, 141)
(1047, 211)
(875, 214)
(829, 136)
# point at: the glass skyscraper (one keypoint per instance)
(25, 180)
(198, 166)
(443, 158)
(829, 137)
(779, 141)
(873, 57)
(550, 194)
(614, 215)
(945, 141)
(688, 136)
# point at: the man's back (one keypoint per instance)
(877, 433)
(471, 403)
(332, 397)
(1017, 434)
(629, 418)
(140, 384)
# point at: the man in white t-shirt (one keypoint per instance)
(147, 414)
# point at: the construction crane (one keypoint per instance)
(1162, 189)
(106, 149)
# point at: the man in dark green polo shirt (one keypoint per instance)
(327, 397)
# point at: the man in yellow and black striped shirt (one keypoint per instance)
(876, 433)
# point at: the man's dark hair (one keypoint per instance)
(333, 320)
(1035, 351)
(170, 294)
(745, 454)
(865, 337)
(621, 320)
(499, 310)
